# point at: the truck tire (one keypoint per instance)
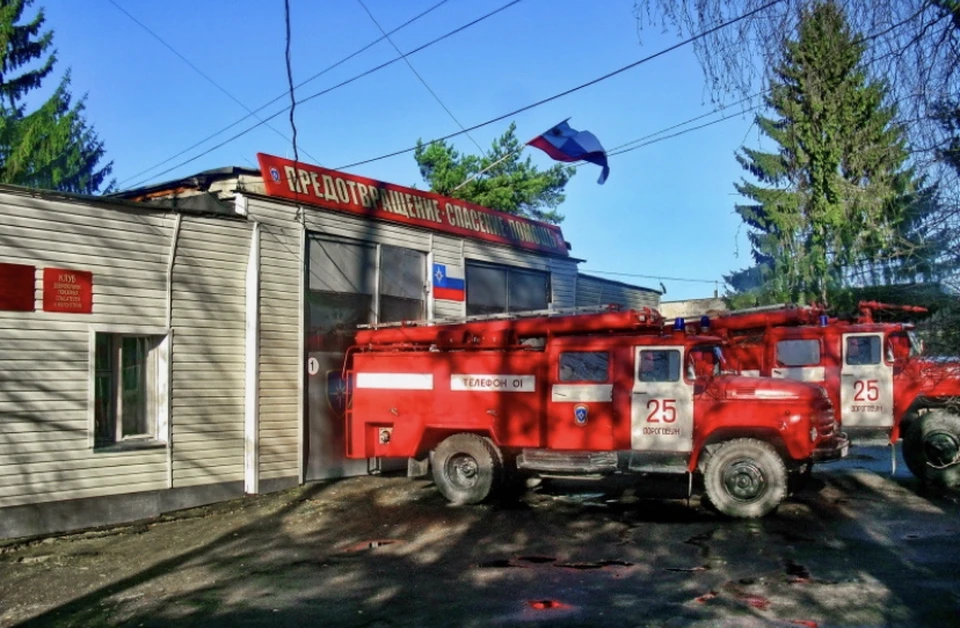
(931, 448)
(745, 478)
(466, 467)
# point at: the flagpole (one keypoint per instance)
(508, 155)
(474, 176)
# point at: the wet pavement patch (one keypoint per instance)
(500, 563)
(547, 605)
(709, 595)
(700, 540)
(503, 563)
(797, 573)
(368, 545)
(537, 559)
(596, 565)
(756, 601)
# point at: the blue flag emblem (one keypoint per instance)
(336, 392)
(580, 414)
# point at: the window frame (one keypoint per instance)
(872, 339)
(162, 394)
(507, 269)
(560, 365)
(375, 295)
(638, 370)
(781, 364)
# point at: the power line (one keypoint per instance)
(293, 99)
(332, 88)
(641, 141)
(283, 94)
(197, 70)
(543, 101)
(417, 74)
(658, 277)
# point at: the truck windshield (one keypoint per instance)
(705, 361)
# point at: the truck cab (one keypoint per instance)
(611, 394)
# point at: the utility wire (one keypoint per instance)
(334, 87)
(543, 101)
(198, 71)
(284, 94)
(293, 99)
(658, 277)
(647, 140)
(419, 77)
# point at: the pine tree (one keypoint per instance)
(513, 185)
(836, 197)
(51, 147)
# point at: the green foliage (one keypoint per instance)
(513, 185)
(51, 147)
(836, 197)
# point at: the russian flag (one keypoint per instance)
(565, 143)
(449, 283)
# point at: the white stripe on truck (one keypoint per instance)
(396, 381)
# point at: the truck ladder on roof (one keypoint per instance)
(503, 316)
(508, 330)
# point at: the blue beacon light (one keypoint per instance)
(679, 324)
(705, 322)
(823, 320)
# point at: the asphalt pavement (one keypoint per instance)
(857, 547)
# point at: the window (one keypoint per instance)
(704, 361)
(798, 352)
(358, 283)
(863, 350)
(401, 284)
(130, 388)
(584, 366)
(495, 289)
(660, 365)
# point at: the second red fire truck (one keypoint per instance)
(604, 393)
(875, 373)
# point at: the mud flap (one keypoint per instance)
(417, 468)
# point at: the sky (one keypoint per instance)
(665, 215)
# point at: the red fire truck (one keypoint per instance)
(874, 373)
(580, 394)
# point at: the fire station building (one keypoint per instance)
(182, 344)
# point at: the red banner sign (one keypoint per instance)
(384, 201)
(67, 291)
(17, 288)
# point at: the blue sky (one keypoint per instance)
(666, 210)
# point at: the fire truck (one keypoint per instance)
(874, 372)
(481, 402)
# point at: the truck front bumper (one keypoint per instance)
(834, 449)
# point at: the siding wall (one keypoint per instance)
(596, 291)
(280, 409)
(208, 350)
(45, 425)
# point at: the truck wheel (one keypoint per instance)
(745, 478)
(466, 467)
(931, 448)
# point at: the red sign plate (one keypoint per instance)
(339, 191)
(67, 291)
(17, 288)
